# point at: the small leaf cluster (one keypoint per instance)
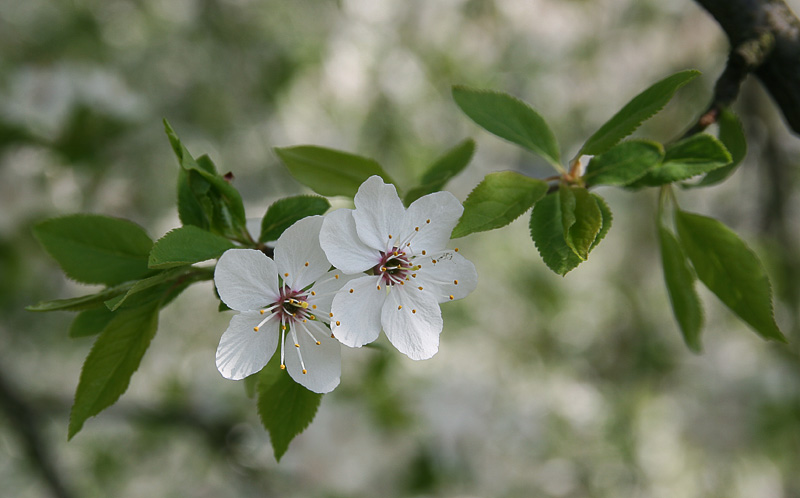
(568, 221)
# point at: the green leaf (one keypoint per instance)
(729, 269)
(440, 172)
(695, 155)
(285, 407)
(81, 303)
(329, 172)
(547, 232)
(605, 211)
(206, 199)
(511, 119)
(581, 219)
(112, 361)
(90, 322)
(624, 163)
(148, 284)
(641, 108)
(187, 245)
(680, 279)
(497, 201)
(96, 249)
(731, 134)
(285, 212)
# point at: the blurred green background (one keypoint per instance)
(543, 386)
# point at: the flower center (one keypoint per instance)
(394, 266)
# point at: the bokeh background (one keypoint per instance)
(543, 386)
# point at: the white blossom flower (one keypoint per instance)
(279, 301)
(409, 270)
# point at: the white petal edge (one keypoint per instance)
(341, 244)
(441, 277)
(323, 362)
(243, 351)
(412, 320)
(357, 315)
(379, 214)
(246, 279)
(298, 254)
(443, 210)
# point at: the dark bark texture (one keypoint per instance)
(765, 40)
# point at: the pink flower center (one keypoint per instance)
(394, 266)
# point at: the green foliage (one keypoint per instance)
(285, 212)
(151, 286)
(729, 269)
(581, 219)
(692, 156)
(680, 279)
(511, 119)
(497, 201)
(186, 245)
(96, 249)
(624, 163)
(547, 232)
(605, 212)
(86, 302)
(112, 361)
(642, 107)
(285, 407)
(329, 172)
(440, 172)
(731, 134)
(206, 199)
(90, 322)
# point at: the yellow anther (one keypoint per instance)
(312, 317)
(313, 306)
(433, 261)
(383, 268)
(283, 327)
(262, 311)
(305, 304)
(305, 371)
(338, 323)
(304, 320)
(395, 253)
(400, 307)
(402, 283)
(313, 293)
(390, 236)
(455, 282)
(336, 276)
(333, 336)
(330, 315)
(296, 345)
(318, 343)
(416, 229)
(413, 311)
(420, 287)
(427, 221)
(451, 297)
(379, 287)
(283, 367)
(306, 263)
(424, 253)
(285, 274)
(414, 275)
(456, 249)
(255, 329)
(351, 291)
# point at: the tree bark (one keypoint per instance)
(765, 40)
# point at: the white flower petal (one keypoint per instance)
(342, 245)
(412, 320)
(246, 279)
(440, 278)
(297, 252)
(242, 351)
(357, 315)
(379, 214)
(443, 210)
(321, 293)
(323, 362)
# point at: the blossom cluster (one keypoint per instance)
(341, 279)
